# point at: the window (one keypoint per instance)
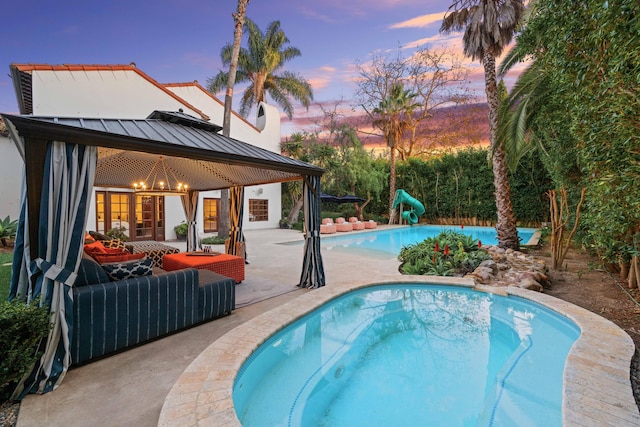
(258, 210)
(210, 215)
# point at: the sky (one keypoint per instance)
(180, 40)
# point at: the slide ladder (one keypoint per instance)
(417, 208)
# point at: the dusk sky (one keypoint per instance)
(180, 41)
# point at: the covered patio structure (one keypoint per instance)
(65, 157)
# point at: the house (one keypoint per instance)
(126, 92)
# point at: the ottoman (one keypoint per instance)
(227, 265)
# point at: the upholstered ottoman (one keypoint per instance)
(227, 265)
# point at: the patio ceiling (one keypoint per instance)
(192, 149)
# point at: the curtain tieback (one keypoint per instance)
(53, 271)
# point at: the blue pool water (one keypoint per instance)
(408, 355)
(390, 241)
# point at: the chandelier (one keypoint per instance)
(160, 181)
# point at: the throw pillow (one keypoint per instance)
(118, 257)
(95, 248)
(128, 270)
(99, 236)
(113, 243)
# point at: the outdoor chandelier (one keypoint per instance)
(160, 181)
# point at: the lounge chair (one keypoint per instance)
(370, 224)
(356, 223)
(342, 225)
(327, 226)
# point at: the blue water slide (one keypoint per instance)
(417, 208)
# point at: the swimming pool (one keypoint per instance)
(391, 240)
(410, 354)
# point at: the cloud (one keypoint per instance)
(419, 21)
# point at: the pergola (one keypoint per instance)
(65, 157)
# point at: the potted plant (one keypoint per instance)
(181, 231)
(8, 230)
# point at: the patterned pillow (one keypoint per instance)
(128, 270)
(113, 243)
(117, 257)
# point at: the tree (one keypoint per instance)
(588, 118)
(489, 25)
(393, 116)
(437, 79)
(224, 224)
(259, 64)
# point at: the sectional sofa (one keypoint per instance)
(112, 315)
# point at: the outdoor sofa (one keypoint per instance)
(109, 316)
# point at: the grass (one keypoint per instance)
(5, 275)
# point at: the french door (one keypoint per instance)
(137, 217)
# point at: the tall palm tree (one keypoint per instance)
(259, 64)
(394, 114)
(224, 224)
(489, 26)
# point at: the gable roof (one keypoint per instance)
(194, 152)
(22, 81)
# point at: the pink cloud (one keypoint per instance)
(419, 21)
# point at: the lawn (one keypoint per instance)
(5, 275)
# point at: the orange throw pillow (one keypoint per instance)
(109, 258)
(95, 247)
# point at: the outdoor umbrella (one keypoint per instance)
(350, 199)
(329, 198)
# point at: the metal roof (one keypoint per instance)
(203, 158)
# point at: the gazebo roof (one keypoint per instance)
(192, 150)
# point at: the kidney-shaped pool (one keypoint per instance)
(409, 354)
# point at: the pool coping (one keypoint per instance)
(596, 390)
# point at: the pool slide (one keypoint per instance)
(417, 208)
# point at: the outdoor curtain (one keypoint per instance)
(190, 206)
(312, 268)
(236, 207)
(69, 173)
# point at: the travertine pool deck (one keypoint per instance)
(597, 387)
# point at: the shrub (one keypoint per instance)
(448, 253)
(212, 240)
(22, 327)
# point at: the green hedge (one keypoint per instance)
(461, 186)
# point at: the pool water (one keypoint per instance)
(390, 241)
(410, 354)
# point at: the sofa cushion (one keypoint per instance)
(128, 270)
(90, 273)
(117, 257)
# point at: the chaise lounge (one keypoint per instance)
(342, 225)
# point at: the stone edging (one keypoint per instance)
(597, 388)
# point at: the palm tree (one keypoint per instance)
(489, 26)
(258, 66)
(224, 224)
(394, 118)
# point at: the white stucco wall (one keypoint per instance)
(11, 171)
(116, 94)
(127, 94)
